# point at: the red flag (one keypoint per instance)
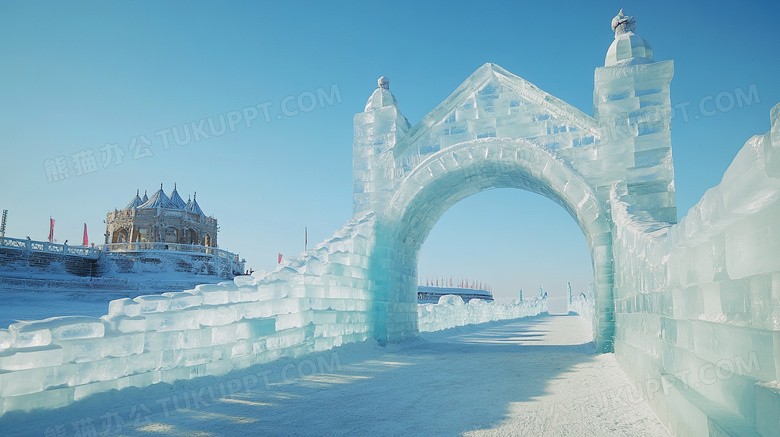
(280, 259)
(51, 229)
(86, 240)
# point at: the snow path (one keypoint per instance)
(532, 376)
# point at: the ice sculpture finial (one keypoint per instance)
(623, 23)
(381, 97)
(627, 48)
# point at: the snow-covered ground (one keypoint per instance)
(532, 376)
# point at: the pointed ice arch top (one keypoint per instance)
(493, 102)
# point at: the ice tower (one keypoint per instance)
(377, 129)
(632, 106)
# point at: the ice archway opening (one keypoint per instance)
(511, 242)
(459, 171)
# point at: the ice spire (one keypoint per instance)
(176, 199)
(159, 200)
(135, 202)
(192, 206)
(382, 97)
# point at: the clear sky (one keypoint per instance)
(114, 79)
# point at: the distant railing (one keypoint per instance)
(190, 248)
(45, 246)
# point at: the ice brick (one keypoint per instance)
(183, 300)
(217, 315)
(125, 324)
(29, 358)
(125, 306)
(153, 303)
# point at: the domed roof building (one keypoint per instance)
(161, 219)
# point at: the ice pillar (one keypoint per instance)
(377, 129)
(632, 105)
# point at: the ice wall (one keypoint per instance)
(698, 304)
(585, 306)
(311, 303)
(315, 302)
(451, 311)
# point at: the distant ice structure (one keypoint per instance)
(451, 311)
(583, 304)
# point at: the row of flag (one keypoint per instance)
(85, 240)
(452, 282)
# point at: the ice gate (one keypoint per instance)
(500, 131)
(690, 309)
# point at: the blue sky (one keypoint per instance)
(75, 77)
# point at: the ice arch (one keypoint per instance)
(461, 170)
